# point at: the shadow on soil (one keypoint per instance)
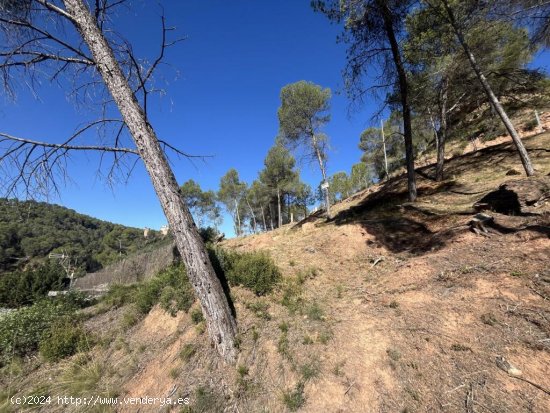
(394, 225)
(402, 227)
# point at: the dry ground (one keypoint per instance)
(388, 307)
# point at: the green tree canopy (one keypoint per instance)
(201, 204)
(231, 194)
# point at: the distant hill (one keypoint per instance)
(31, 230)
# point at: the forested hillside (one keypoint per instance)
(31, 230)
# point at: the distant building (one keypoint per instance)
(164, 230)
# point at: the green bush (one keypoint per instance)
(253, 270)
(62, 339)
(22, 330)
(25, 287)
(531, 125)
(119, 295)
(170, 288)
(196, 316)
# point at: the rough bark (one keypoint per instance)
(404, 96)
(524, 156)
(221, 324)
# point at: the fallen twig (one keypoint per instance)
(349, 387)
(376, 261)
(539, 293)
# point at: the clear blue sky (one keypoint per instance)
(222, 98)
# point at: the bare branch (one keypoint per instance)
(64, 146)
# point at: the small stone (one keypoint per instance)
(503, 364)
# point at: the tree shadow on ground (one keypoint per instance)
(385, 215)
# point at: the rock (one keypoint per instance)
(503, 364)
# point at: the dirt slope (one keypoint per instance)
(419, 306)
(388, 307)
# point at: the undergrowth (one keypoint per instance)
(253, 270)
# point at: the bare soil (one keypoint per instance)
(399, 308)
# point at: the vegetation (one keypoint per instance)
(302, 115)
(31, 230)
(24, 287)
(253, 270)
(63, 339)
(170, 288)
(24, 331)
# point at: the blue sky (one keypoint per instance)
(222, 95)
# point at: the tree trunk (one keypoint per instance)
(323, 173)
(524, 156)
(384, 145)
(404, 96)
(279, 215)
(441, 135)
(263, 217)
(238, 229)
(253, 216)
(221, 324)
(271, 215)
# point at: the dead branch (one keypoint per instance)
(35, 39)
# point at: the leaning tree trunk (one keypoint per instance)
(524, 156)
(404, 96)
(221, 324)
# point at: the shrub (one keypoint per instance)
(196, 316)
(170, 288)
(531, 125)
(253, 270)
(130, 317)
(21, 331)
(63, 339)
(25, 287)
(119, 295)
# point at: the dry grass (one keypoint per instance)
(417, 331)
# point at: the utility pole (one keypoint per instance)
(384, 144)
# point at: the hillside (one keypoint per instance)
(387, 307)
(31, 230)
